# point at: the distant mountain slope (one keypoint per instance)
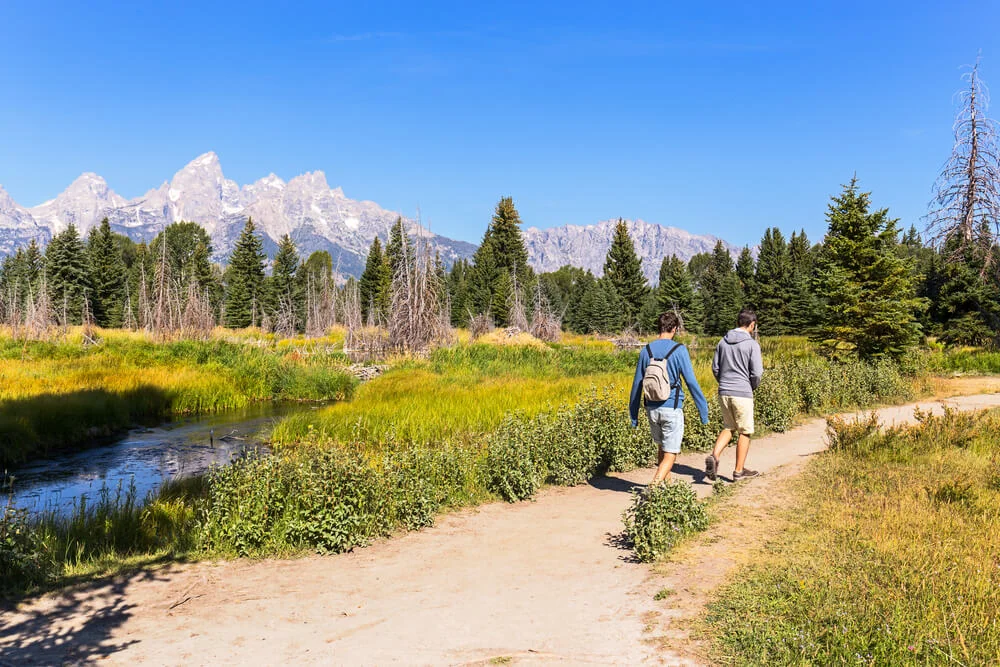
(316, 216)
(587, 246)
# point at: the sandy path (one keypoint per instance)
(539, 581)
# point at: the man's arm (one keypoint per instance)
(715, 362)
(687, 371)
(636, 396)
(756, 365)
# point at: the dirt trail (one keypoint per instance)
(539, 581)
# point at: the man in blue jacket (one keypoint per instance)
(666, 418)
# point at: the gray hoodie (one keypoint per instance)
(737, 364)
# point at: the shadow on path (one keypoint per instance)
(614, 484)
(75, 626)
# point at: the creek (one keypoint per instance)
(145, 457)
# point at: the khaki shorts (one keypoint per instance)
(737, 414)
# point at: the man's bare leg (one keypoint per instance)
(722, 442)
(742, 447)
(666, 463)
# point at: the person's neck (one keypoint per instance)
(747, 329)
(667, 336)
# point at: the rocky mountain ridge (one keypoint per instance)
(316, 216)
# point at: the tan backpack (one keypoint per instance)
(656, 384)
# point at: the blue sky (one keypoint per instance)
(721, 118)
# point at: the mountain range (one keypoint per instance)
(316, 216)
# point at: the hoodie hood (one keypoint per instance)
(737, 336)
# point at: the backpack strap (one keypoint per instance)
(649, 352)
(677, 384)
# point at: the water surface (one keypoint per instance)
(146, 457)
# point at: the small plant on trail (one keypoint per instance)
(660, 517)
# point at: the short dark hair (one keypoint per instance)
(669, 321)
(746, 318)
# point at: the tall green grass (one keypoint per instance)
(891, 558)
(61, 394)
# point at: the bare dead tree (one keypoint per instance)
(480, 325)
(129, 321)
(417, 317)
(161, 316)
(517, 318)
(965, 212)
(545, 324)
(197, 319)
(39, 318)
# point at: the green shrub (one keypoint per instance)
(660, 516)
(514, 465)
(776, 401)
(23, 561)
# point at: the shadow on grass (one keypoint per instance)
(47, 423)
(75, 624)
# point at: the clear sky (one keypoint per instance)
(721, 118)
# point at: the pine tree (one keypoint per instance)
(967, 299)
(501, 254)
(67, 275)
(773, 283)
(368, 284)
(287, 288)
(458, 292)
(722, 295)
(623, 269)
(675, 292)
(746, 268)
(107, 276)
(245, 279)
(871, 303)
(802, 302)
(400, 247)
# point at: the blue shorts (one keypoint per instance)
(667, 427)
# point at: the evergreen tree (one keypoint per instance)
(968, 298)
(721, 292)
(286, 284)
(458, 292)
(245, 279)
(802, 303)
(107, 276)
(599, 310)
(623, 269)
(871, 302)
(676, 292)
(746, 269)
(68, 275)
(371, 281)
(400, 247)
(773, 283)
(577, 318)
(499, 262)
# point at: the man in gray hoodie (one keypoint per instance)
(738, 367)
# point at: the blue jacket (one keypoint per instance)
(678, 365)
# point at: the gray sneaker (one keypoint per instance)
(746, 473)
(712, 467)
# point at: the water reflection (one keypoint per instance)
(145, 456)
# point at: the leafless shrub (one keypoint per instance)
(516, 316)
(545, 325)
(197, 319)
(480, 325)
(627, 340)
(418, 318)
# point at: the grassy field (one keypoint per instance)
(63, 393)
(494, 419)
(891, 558)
